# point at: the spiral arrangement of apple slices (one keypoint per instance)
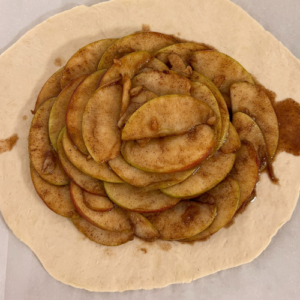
(133, 137)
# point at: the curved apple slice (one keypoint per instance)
(101, 134)
(113, 220)
(141, 41)
(142, 227)
(154, 64)
(222, 69)
(77, 105)
(184, 220)
(96, 202)
(141, 178)
(163, 83)
(171, 154)
(165, 116)
(100, 236)
(86, 182)
(85, 61)
(88, 166)
(209, 174)
(253, 101)
(246, 170)
(57, 198)
(57, 120)
(232, 142)
(248, 130)
(138, 199)
(41, 153)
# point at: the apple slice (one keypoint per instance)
(41, 153)
(226, 195)
(163, 83)
(57, 120)
(171, 154)
(143, 96)
(88, 166)
(154, 64)
(209, 174)
(248, 130)
(232, 142)
(142, 227)
(222, 69)
(138, 199)
(101, 134)
(184, 220)
(113, 220)
(77, 105)
(246, 170)
(85, 61)
(252, 100)
(145, 41)
(125, 94)
(100, 236)
(50, 89)
(57, 198)
(165, 116)
(89, 184)
(96, 202)
(141, 178)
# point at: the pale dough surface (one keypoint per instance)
(64, 252)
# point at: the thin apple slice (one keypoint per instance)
(138, 199)
(226, 195)
(222, 69)
(232, 142)
(77, 105)
(96, 202)
(87, 183)
(101, 134)
(141, 41)
(246, 170)
(88, 166)
(85, 61)
(141, 178)
(142, 227)
(209, 174)
(143, 96)
(128, 113)
(113, 220)
(154, 64)
(125, 94)
(248, 130)
(166, 116)
(163, 83)
(50, 89)
(253, 101)
(57, 198)
(184, 220)
(57, 120)
(171, 154)
(41, 153)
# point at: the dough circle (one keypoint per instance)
(64, 252)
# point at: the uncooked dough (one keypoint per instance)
(61, 248)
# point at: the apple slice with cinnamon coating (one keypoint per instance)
(96, 202)
(154, 64)
(232, 142)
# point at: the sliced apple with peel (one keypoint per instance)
(142, 227)
(41, 153)
(253, 101)
(57, 120)
(232, 142)
(88, 166)
(184, 220)
(145, 179)
(101, 134)
(113, 220)
(87, 183)
(85, 61)
(96, 202)
(210, 172)
(154, 64)
(141, 41)
(77, 105)
(57, 198)
(138, 199)
(248, 130)
(222, 69)
(246, 170)
(165, 116)
(171, 154)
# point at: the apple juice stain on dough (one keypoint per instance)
(8, 144)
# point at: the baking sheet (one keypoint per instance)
(273, 275)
